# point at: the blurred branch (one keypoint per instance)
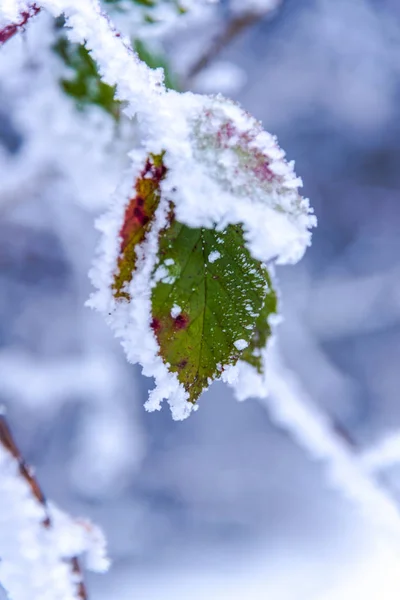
(10, 30)
(233, 27)
(384, 454)
(291, 409)
(8, 445)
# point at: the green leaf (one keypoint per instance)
(205, 310)
(84, 83)
(210, 299)
(262, 331)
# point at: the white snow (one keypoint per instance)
(213, 256)
(240, 344)
(175, 311)
(11, 10)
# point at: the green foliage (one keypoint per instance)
(84, 83)
(210, 298)
(219, 301)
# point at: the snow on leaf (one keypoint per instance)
(219, 303)
(262, 331)
(230, 157)
(137, 221)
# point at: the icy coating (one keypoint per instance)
(222, 169)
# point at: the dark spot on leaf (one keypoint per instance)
(138, 213)
(181, 321)
(155, 325)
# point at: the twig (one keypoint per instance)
(10, 30)
(8, 443)
(232, 29)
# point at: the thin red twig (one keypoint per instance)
(10, 30)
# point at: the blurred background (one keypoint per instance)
(225, 504)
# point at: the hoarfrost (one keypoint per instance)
(213, 256)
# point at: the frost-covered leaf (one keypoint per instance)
(188, 311)
(207, 291)
(262, 331)
(137, 221)
(207, 296)
(241, 176)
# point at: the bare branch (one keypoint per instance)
(10, 30)
(232, 29)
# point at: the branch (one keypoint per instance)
(384, 454)
(291, 409)
(31, 562)
(10, 30)
(232, 29)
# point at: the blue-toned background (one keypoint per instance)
(226, 505)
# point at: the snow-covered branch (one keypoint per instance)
(291, 409)
(383, 454)
(40, 545)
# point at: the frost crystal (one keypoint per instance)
(240, 344)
